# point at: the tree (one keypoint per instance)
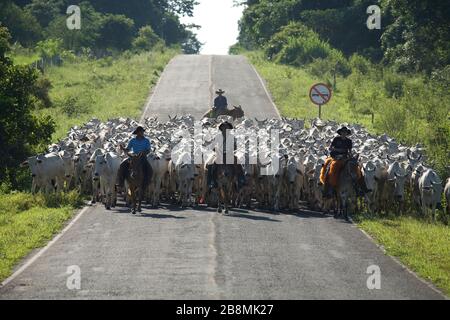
(418, 38)
(21, 132)
(45, 10)
(22, 25)
(191, 45)
(146, 39)
(116, 31)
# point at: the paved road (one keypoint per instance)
(198, 254)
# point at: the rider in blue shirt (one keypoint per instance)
(138, 144)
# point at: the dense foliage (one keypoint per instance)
(105, 24)
(414, 34)
(20, 130)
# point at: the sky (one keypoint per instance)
(219, 22)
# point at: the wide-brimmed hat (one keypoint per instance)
(225, 125)
(138, 128)
(344, 130)
(220, 91)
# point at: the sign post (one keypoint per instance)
(320, 94)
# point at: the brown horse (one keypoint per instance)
(235, 113)
(138, 179)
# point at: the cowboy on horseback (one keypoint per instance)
(340, 152)
(219, 107)
(220, 102)
(137, 146)
(212, 170)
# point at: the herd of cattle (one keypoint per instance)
(89, 157)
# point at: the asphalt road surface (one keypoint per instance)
(169, 253)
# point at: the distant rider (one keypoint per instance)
(220, 102)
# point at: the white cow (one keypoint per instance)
(368, 171)
(105, 171)
(395, 186)
(51, 168)
(430, 186)
(82, 176)
(185, 173)
(89, 169)
(66, 157)
(38, 180)
(160, 168)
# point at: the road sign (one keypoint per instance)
(320, 94)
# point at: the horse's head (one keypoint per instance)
(135, 164)
(351, 167)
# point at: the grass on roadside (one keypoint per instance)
(424, 247)
(29, 221)
(104, 88)
(290, 86)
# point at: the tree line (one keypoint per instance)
(414, 34)
(106, 24)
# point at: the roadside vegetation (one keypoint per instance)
(28, 222)
(394, 80)
(424, 247)
(103, 88)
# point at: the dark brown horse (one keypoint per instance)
(138, 178)
(346, 191)
(235, 113)
(226, 176)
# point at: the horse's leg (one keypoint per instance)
(140, 193)
(227, 199)
(133, 200)
(219, 206)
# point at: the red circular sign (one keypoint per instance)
(320, 94)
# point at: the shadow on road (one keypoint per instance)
(248, 216)
(158, 216)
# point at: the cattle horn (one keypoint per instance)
(24, 164)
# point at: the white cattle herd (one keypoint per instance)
(89, 157)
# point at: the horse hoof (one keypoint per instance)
(139, 210)
(219, 210)
(133, 211)
(108, 208)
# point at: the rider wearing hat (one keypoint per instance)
(136, 145)
(220, 102)
(211, 178)
(342, 144)
(340, 149)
